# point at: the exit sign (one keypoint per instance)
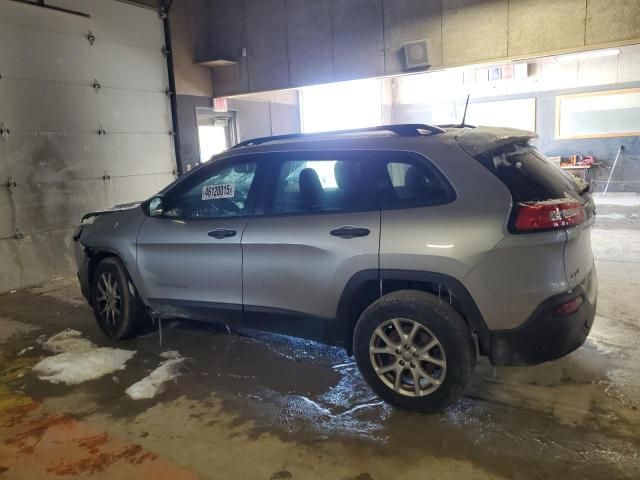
(220, 105)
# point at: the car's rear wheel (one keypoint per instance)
(414, 350)
(116, 306)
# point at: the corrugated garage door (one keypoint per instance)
(61, 166)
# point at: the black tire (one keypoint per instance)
(130, 316)
(454, 350)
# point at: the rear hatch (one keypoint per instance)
(545, 198)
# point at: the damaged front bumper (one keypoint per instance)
(82, 264)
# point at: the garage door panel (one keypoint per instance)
(24, 262)
(41, 207)
(54, 152)
(63, 264)
(33, 54)
(43, 19)
(118, 22)
(138, 68)
(45, 157)
(133, 111)
(136, 188)
(135, 154)
(33, 106)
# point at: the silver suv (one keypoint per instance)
(414, 247)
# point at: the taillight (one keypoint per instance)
(548, 215)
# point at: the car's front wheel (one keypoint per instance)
(117, 308)
(414, 350)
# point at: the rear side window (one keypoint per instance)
(406, 183)
(529, 175)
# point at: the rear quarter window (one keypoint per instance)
(529, 175)
(406, 182)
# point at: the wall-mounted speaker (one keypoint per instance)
(416, 54)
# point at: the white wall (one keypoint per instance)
(266, 114)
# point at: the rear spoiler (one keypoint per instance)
(479, 141)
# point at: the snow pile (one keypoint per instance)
(78, 360)
(155, 382)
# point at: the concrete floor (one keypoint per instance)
(259, 406)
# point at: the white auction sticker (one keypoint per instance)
(222, 190)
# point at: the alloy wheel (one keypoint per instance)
(407, 357)
(109, 302)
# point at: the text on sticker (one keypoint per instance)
(222, 190)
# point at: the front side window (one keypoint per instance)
(316, 186)
(213, 193)
(410, 183)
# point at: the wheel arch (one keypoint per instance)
(367, 286)
(96, 255)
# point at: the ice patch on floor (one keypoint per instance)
(78, 360)
(155, 382)
(68, 341)
(620, 200)
(612, 216)
(10, 328)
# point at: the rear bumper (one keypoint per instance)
(545, 337)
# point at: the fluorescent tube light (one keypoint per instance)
(609, 52)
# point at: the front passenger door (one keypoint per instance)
(190, 256)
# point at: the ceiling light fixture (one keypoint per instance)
(609, 52)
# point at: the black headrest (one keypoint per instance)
(311, 191)
(347, 174)
(413, 178)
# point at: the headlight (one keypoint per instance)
(89, 220)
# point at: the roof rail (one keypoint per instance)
(402, 130)
(456, 125)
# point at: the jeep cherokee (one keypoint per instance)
(417, 248)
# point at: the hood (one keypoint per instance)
(115, 208)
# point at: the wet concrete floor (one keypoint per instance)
(261, 406)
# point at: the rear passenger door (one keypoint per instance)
(318, 225)
(420, 222)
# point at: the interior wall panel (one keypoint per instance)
(358, 41)
(612, 20)
(407, 21)
(267, 44)
(534, 27)
(474, 30)
(226, 37)
(310, 49)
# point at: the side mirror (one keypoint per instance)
(155, 207)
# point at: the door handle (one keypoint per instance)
(349, 231)
(221, 233)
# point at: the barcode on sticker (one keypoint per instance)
(223, 190)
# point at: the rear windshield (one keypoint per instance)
(529, 175)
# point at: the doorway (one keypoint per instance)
(216, 132)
